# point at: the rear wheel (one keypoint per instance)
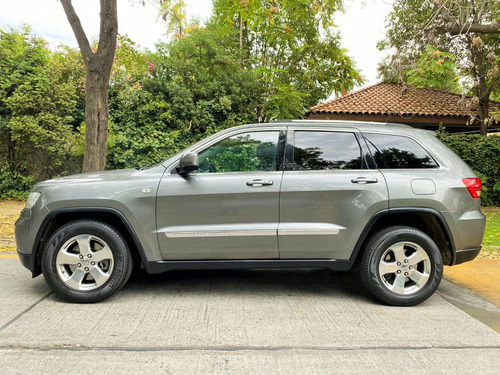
(86, 261)
(401, 266)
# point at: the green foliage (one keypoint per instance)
(191, 88)
(130, 63)
(173, 13)
(291, 48)
(14, 185)
(482, 155)
(38, 98)
(407, 35)
(435, 69)
(255, 61)
(216, 94)
(467, 30)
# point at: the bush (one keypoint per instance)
(482, 154)
(14, 185)
(39, 96)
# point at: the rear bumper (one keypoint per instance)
(466, 255)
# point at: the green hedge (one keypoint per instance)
(483, 155)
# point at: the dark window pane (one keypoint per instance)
(325, 150)
(249, 152)
(393, 151)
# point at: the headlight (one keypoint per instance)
(32, 199)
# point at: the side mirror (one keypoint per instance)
(189, 162)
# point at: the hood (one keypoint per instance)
(114, 175)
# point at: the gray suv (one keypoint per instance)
(391, 200)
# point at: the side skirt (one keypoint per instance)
(331, 264)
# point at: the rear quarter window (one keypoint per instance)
(398, 152)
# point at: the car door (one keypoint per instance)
(328, 194)
(229, 207)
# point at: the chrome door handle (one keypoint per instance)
(259, 182)
(364, 180)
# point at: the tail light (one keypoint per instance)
(474, 186)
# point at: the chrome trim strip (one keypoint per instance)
(219, 233)
(221, 230)
(297, 232)
(308, 229)
(251, 230)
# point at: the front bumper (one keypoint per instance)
(29, 261)
(27, 231)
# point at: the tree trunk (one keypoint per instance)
(241, 41)
(99, 64)
(480, 87)
(483, 114)
(96, 121)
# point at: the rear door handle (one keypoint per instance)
(260, 182)
(364, 180)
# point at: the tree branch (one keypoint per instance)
(454, 27)
(76, 25)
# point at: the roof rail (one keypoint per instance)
(340, 122)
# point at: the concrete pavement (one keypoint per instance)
(231, 322)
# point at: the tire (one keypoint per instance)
(86, 261)
(401, 266)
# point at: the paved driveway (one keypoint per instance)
(232, 322)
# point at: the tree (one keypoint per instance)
(293, 49)
(163, 101)
(468, 29)
(39, 97)
(98, 62)
(435, 69)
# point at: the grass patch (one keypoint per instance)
(491, 240)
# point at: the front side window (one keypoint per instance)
(397, 152)
(247, 152)
(322, 150)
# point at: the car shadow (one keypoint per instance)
(237, 282)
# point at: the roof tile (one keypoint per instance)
(390, 99)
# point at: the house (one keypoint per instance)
(420, 108)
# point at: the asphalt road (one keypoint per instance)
(237, 322)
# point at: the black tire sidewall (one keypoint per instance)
(372, 257)
(121, 254)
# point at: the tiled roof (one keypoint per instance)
(394, 99)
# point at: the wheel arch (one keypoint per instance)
(111, 216)
(428, 220)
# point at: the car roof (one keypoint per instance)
(363, 126)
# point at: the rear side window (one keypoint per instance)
(397, 152)
(320, 150)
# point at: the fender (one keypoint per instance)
(402, 210)
(75, 210)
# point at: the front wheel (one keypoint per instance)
(86, 261)
(401, 266)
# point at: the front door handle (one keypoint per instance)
(259, 182)
(364, 180)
